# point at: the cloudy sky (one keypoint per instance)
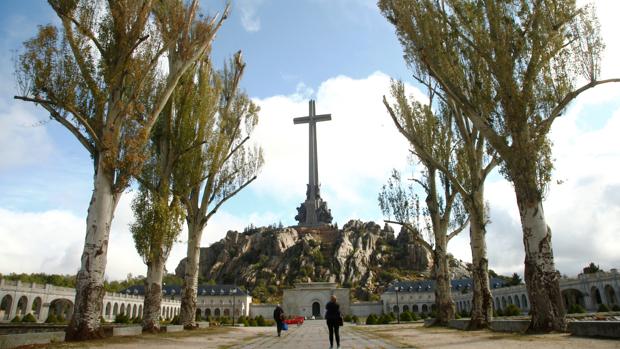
(341, 53)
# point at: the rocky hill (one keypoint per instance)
(362, 256)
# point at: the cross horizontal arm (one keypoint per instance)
(316, 118)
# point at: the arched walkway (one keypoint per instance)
(36, 307)
(524, 301)
(61, 308)
(415, 308)
(610, 294)
(5, 307)
(217, 312)
(405, 308)
(22, 306)
(595, 295)
(198, 314)
(424, 308)
(573, 297)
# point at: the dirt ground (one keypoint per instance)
(417, 336)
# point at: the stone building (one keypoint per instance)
(18, 298)
(213, 300)
(309, 299)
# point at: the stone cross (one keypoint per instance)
(314, 205)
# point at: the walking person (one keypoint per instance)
(334, 321)
(278, 316)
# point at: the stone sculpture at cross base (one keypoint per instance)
(313, 211)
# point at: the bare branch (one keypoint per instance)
(217, 206)
(62, 120)
(458, 230)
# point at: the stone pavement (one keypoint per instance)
(313, 334)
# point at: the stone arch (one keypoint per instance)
(517, 301)
(395, 309)
(207, 312)
(22, 306)
(595, 294)
(227, 312)
(415, 308)
(140, 311)
(36, 307)
(497, 304)
(316, 309)
(115, 309)
(524, 301)
(122, 309)
(509, 299)
(405, 308)
(108, 310)
(61, 307)
(571, 297)
(5, 307)
(134, 312)
(198, 314)
(217, 312)
(424, 308)
(503, 302)
(610, 294)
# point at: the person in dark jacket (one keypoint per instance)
(278, 316)
(333, 316)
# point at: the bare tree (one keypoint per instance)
(434, 146)
(533, 52)
(97, 75)
(221, 167)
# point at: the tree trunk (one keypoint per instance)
(443, 295)
(482, 304)
(86, 320)
(190, 280)
(152, 295)
(541, 277)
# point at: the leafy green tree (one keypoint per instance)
(534, 53)
(225, 163)
(98, 75)
(472, 162)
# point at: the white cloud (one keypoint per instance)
(359, 145)
(249, 17)
(23, 138)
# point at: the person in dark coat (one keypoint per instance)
(278, 316)
(333, 316)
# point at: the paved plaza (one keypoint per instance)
(314, 335)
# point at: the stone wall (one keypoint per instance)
(264, 309)
(363, 309)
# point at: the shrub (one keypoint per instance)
(347, 318)
(270, 322)
(252, 322)
(433, 314)
(384, 319)
(423, 316)
(405, 316)
(176, 320)
(603, 308)
(414, 317)
(51, 319)
(576, 309)
(260, 320)
(392, 316)
(245, 322)
(16, 319)
(61, 319)
(371, 319)
(355, 319)
(29, 318)
(225, 320)
(616, 307)
(121, 319)
(512, 310)
(465, 313)
(457, 315)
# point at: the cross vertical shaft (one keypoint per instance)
(308, 211)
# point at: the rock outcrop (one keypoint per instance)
(363, 256)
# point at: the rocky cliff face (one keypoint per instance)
(363, 256)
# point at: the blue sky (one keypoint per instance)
(342, 53)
